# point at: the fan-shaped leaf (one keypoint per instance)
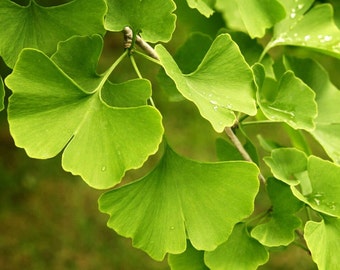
(221, 84)
(182, 199)
(205, 7)
(34, 26)
(2, 95)
(48, 111)
(240, 251)
(154, 19)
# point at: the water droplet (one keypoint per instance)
(306, 38)
(292, 15)
(300, 6)
(214, 102)
(215, 108)
(103, 169)
(331, 205)
(172, 228)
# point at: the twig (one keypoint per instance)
(241, 149)
(128, 41)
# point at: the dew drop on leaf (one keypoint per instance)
(103, 169)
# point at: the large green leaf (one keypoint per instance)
(256, 16)
(290, 100)
(2, 94)
(323, 240)
(287, 164)
(324, 195)
(327, 131)
(280, 229)
(182, 199)
(221, 84)
(308, 27)
(154, 19)
(48, 111)
(205, 7)
(34, 26)
(191, 259)
(240, 251)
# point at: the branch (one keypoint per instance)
(128, 39)
(241, 149)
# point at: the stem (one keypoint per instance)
(241, 149)
(146, 47)
(261, 122)
(156, 61)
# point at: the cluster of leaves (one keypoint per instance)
(198, 212)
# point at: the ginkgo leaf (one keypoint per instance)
(324, 195)
(35, 26)
(205, 7)
(287, 164)
(231, 14)
(327, 131)
(323, 240)
(240, 251)
(48, 111)
(153, 19)
(280, 229)
(2, 94)
(290, 100)
(220, 85)
(308, 27)
(182, 199)
(191, 259)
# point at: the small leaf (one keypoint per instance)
(221, 84)
(327, 131)
(292, 102)
(256, 16)
(280, 229)
(182, 199)
(48, 111)
(191, 259)
(287, 164)
(323, 240)
(154, 19)
(308, 27)
(34, 26)
(231, 14)
(240, 251)
(205, 7)
(2, 94)
(325, 187)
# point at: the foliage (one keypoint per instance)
(261, 69)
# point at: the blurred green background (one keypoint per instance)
(49, 218)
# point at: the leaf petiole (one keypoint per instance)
(148, 57)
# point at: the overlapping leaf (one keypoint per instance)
(2, 95)
(240, 251)
(42, 28)
(323, 240)
(191, 259)
(182, 199)
(255, 16)
(154, 19)
(309, 27)
(220, 85)
(280, 229)
(324, 195)
(287, 164)
(205, 7)
(290, 100)
(49, 111)
(327, 130)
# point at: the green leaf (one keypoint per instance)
(34, 26)
(187, 57)
(256, 16)
(323, 240)
(280, 229)
(290, 100)
(325, 187)
(287, 164)
(154, 19)
(240, 251)
(327, 131)
(191, 259)
(231, 14)
(221, 84)
(205, 7)
(182, 199)
(308, 27)
(48, 111)
(2, 94)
